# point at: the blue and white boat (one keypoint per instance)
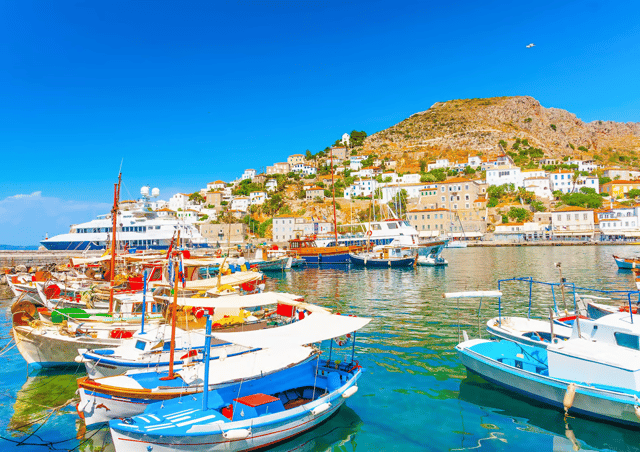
(250, 414)
(140, 227)
(385, 257)
(595, 373)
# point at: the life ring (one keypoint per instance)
(219, 253)
(369, 233)
(342, 341)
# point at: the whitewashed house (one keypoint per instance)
(179, 201)
(539, 186)
(257, 197)
(439, 163)
(248, 174)
(504, 175)
(361, 188)
(355, 162)
(217, 185)
(240, 203)
(573, 223)
(271, 185)
(619, 222)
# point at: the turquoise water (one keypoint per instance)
(415, 395)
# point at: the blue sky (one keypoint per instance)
(184, 93)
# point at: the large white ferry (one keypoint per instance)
(139, 227)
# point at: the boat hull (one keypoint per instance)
(588, 401)
(260, 437)
(174, 427)
(381, 263)
(626, 264)
(340, 258)
(53, 350)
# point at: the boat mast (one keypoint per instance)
(333, 187)
(174, 308)
(114, 217)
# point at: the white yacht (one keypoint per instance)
(139, 227)
(394, 232)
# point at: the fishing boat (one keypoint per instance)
(128, 394)
(591, 378)
(627, 263)
(385, 257)
(250, 414)
(307, 249)
(25, 286)
(456, 244)
(429, 254)
(322, 253)
(150, 350)
(566, 303)
(140, 228)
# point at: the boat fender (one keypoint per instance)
(569, 397)
(349, 392)
(80, 412)
(239, 433)
(571, 437)
(321, 409)
(637, 411)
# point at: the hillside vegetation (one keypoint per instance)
(458, 128)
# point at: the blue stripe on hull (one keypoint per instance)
(328, 259)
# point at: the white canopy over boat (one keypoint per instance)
(311, 329)
(248, 301)
(234, 279)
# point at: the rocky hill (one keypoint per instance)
(457, 128)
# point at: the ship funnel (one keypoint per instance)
(144, 191)
(155, 192)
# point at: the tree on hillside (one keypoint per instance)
(357, 138)
(196, 197)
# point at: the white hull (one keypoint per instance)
(100, 407)
(48, 348)
(211, 442)
(589, 401)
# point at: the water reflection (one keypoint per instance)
(42, 396)
(529, 415)
(339, 433)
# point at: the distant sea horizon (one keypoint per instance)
(18, 247)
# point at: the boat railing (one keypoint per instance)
(627, 294)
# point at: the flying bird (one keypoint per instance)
(530, 45)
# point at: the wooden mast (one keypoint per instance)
(114, 217)
(333, 187)
(174, 308)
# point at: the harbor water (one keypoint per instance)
(415, 395)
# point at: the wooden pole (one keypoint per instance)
(333, 187)
(174, 308)
(114, 217)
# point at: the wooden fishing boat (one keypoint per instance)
(242, 416)
(429, 254)
(151, 350)
(307, 249)
(129, 394)
(250, 414)
(627, 263)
